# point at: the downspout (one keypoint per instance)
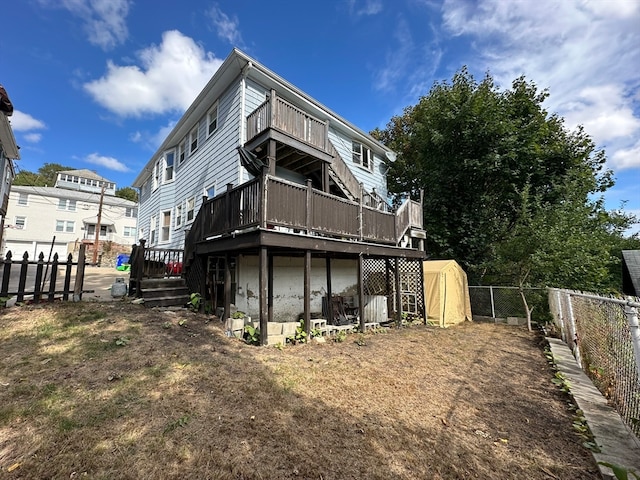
(242, 131)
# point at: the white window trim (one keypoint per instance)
(65, 226)
(364, 150)
(209, 131)
(179, 218)
(193, 134)
(165, 228)
(153, 230)
(214, 185)
(15, 222)
(166, 167)
(182, 151)
(186, 218)
(129, 232)
(26, 200)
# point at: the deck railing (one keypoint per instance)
(277, 113)
(271, 202)
(409, 215)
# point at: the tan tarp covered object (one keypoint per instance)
(446, 293)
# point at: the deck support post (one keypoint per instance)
(329, 311)
(307, 293)
(398, 294)
(270, 288)
(227, 289)
(263, 283)
(361, 291)
(271, 157)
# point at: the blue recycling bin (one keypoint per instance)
(122, 262)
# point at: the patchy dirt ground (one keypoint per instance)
(113, 390)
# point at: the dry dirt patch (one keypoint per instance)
(113, 390)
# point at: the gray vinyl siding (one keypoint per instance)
(215, 162)
(255, 95)
(370, 179)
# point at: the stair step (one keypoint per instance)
(166, 301)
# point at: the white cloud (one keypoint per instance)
(106, 162)
(368, 7)
(155, 86)
(33, 137)
(626, 157)
(23, 122)
(228, 28)
(153, 140)
(585, 51)
(104, 20)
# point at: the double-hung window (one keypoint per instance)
(168, 166)
(362, 155)
(152, 229)
(129, 231)
(130, 212)
(191, 207)
(66, 204)
(166, 226)
(211, 191)
(193, 140)
(157, 169)
(23, 199)
(212, 119)
(182, 151)
(20, 222)
(179, 215)
(66, 226)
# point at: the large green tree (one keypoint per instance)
(44, 177)
(503, 181)
(127, 193)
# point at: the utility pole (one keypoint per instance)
(96, 243)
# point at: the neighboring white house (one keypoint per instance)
(281, 177)
(8, 153)
(58, 219)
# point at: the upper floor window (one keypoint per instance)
(129, 231)
(179, 215)
(191, 207)
(131, 212)
(193, 140)
(212, 119)
(66, 204)
(211, 191)
(157, 169)
(65, 226)
(23, 199)
(20, 222)
(182, 151)
(362, 155)
(168, 166)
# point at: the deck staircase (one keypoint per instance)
(342, 176)
(164, 292)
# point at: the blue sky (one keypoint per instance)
(98, 83)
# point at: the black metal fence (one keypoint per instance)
(40, 280)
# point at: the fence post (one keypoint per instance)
(574, 332)
(79, 281)
(493, 305)
(634, 329)
(6, 274)
(37, 288)
(54, 277)
(23, 277)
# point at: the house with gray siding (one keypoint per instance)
(279, 204)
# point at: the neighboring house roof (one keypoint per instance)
(73, 195)
(85, 173)
(631, 272)
(8, 141)
(234, 65)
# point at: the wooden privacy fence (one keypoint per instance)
(42, 279)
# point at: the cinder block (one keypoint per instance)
(274, 328)
(289, 328)
(276, 339)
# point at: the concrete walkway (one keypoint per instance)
(617, 444)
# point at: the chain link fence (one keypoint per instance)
(505, 304)
(605, 338)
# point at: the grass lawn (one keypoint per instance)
(116, 391)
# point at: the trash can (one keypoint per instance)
(122, 262)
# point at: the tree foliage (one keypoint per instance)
(45, 176)
(509, 191)
(127, 193)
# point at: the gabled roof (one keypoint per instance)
(631, 272)
(235, 65)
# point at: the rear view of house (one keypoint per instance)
(280, 205)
